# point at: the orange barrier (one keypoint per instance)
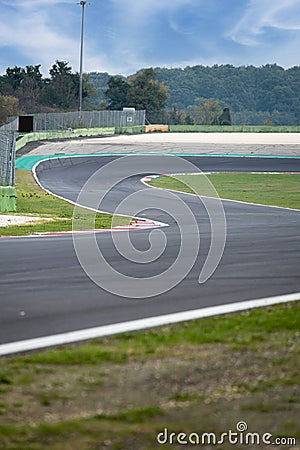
(162, 128)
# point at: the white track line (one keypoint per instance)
(142, 324)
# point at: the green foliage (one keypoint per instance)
(36, 94)
(24, 84)
(99, 80)
(117, 93)
(8, 107)
(207, 113)
(31, 88)
(254, 94)
(140, 91)
(179, 117)
(63, 87)
(146, 93)
(12, 80)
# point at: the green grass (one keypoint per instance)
(119, 392)
(32, 200)
(238, 330)
(268, 189)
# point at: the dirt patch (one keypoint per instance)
(205, 375)
(11, 220)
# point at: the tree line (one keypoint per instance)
(25, 90)
(193, 95)
(268, 94)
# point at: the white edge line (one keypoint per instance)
(146, 183)
(141, 324)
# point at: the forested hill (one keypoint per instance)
(254, 94)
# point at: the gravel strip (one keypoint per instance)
(9, 220)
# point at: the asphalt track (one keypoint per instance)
(42, 278)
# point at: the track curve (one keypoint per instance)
(43, 277)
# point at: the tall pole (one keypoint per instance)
(82, 3)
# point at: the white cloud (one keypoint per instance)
(138, 24)
(263, 14)
(32, 4)
(140, 14)
(31, 29)
(122, 36)
(43, 31)
(144, 9)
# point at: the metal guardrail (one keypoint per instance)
(88, 119)
(7, 157)
(12, 125)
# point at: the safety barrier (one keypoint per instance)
(233, 129)
(8, 199)
(80, 132)
(7, 158)
(12, 125)
(130, 130)
(157, 127)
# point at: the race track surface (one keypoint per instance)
(42, 276)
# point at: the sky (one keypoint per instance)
(124, 36)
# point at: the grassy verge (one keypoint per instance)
(268, 189)
(32, 200)
(119, 392)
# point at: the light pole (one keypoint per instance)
(82, 3)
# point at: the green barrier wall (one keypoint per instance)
(130, 130)
(8, 199)
(31, 137)
(233, 129)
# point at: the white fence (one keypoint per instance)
(88, 119)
